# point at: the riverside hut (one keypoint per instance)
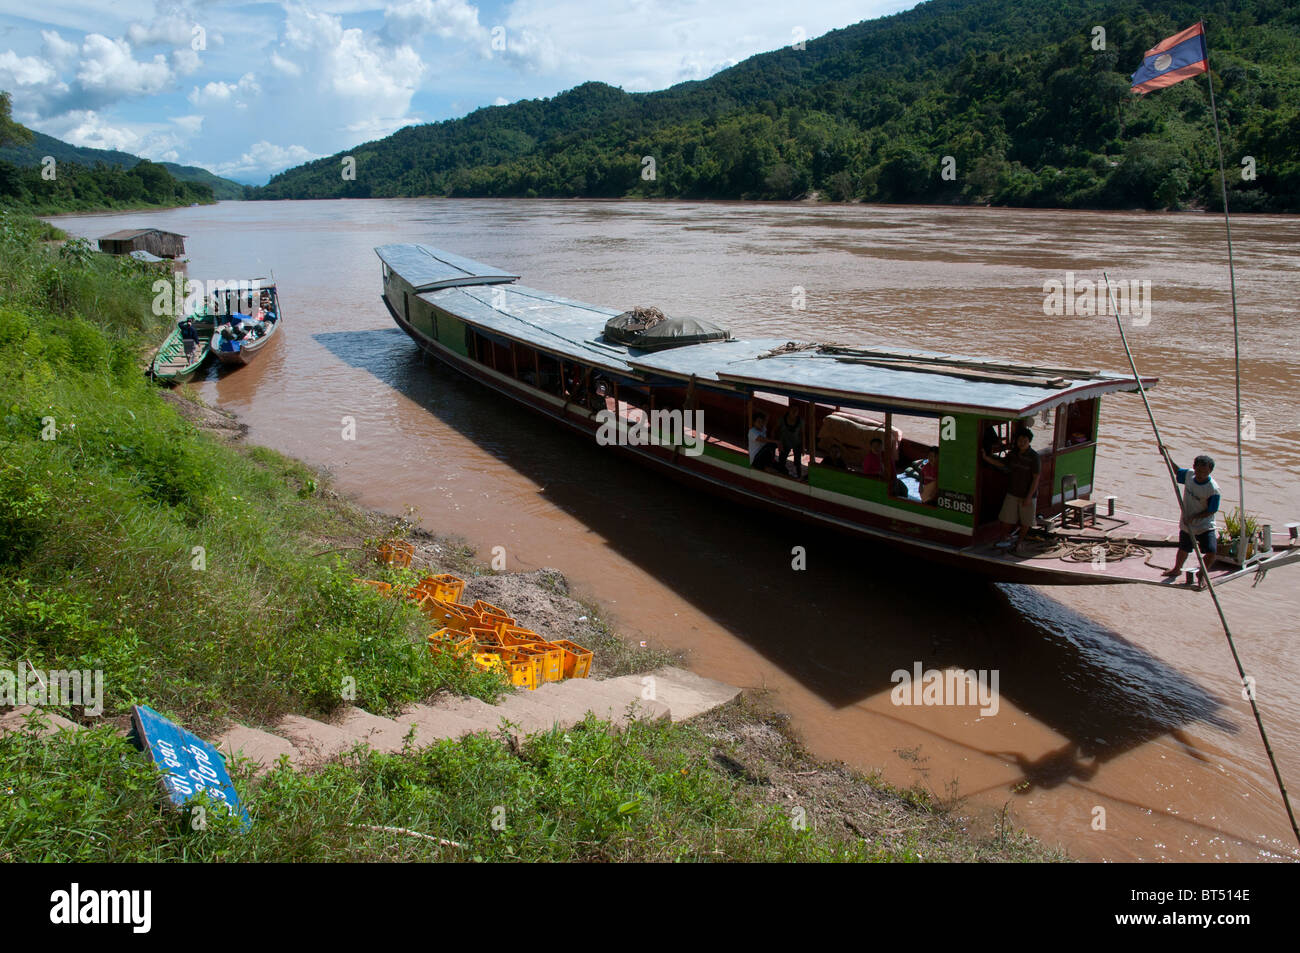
(155, 241)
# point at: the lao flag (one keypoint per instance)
(1172, 61)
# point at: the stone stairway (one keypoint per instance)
(668, 693)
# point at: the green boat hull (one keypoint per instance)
(170, 364)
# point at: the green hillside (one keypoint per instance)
(1012, 90)
(42, 145)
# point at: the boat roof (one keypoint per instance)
(560, 325)
(883, 378)
(428, 268)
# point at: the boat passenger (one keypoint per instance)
(189, 338)
(790, 432)
(762, 448)
(1020, 507)
(991, 446)
(930, 477)
(873, 464)
(834, 457)
(1200, 503)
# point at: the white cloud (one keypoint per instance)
(288, 67)
(445, 18)
(109, 72)
(85, 127)
(60, 52)
(18, 70)
(358, 69)
(185, 62)
(264, 158)
(500, 101)
(218, 93)
(172, 28)
(190, 125)
(651, 44)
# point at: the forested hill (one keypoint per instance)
(33, 153)
(1013, 91)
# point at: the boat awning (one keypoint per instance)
(924, 381)
(559, 325)
(426, 269)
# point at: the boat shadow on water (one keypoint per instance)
(857, 615)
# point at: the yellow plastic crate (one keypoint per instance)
(521, 672)
(577, 660)
(537, 657)
(448, 588)
(449, 640)
(488, 661)
(396, 553)
(383, 587)
(514, 635)
(553, 664)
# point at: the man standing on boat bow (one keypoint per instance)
(1200, 503)
(1022, 466)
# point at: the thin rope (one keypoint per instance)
(1200, 559)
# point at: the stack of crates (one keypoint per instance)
(396, 553)
(488, 634)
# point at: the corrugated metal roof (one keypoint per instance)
(920, 380)
(429, 268)
(127, 234)
(835, 377)
(561, 325)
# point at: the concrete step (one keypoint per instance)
(530, 715)
(45, 723)
(434, 723)
(688, 694)
(610, 699)
(258, 746)
(480, 715)
(382, 734)
(316, 741)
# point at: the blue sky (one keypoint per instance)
(248, 89)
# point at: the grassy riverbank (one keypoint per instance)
(211, 580)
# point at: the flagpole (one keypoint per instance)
(1232, 282)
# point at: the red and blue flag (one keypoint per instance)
(1173, 60)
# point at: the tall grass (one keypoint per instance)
(132, 543)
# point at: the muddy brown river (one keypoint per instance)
(1121, 731)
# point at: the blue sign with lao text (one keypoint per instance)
(192, 765)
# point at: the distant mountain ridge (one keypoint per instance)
(42, 145)
(1009, 102)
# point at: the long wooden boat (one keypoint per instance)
(170, 364)
(687, 410)
(245, 303)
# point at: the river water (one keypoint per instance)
(1121, 732)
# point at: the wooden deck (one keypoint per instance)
(1124, 548)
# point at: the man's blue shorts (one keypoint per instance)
(1206, 541)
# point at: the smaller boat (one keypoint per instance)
(171, 364)
(246, 321)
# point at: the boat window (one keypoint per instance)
(1080, 423)
(854, 441)
(548, 373)
(916, 463)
